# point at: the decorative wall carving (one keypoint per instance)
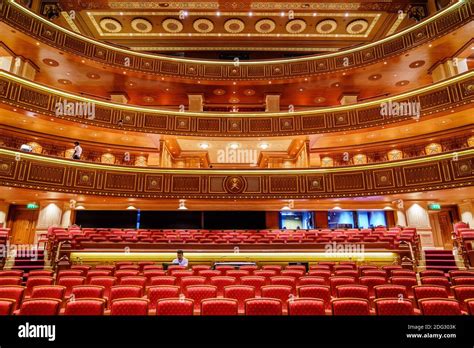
(434, 98)
(21, 19)
(421, 174)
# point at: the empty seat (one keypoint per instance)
(40, 306)
(41, 273)
(125, 291)
(350, 306)
(463, 281)
(311, 280)
(200, 292)
(208, 273)
(463, 293)
(163, 280)
(353, 291)
(393, 306)
(374, 273)
(237, 273)
(12, 292)
(371, 282)
(256, 281)
(295, 273)
(69, 281)
(306, 306)
(337, 280)
(129, 306)
(276, 268)
(458, 273)
(297, 267)
(35, 281)
(11, 274)
(222, 281)
(87, 291)
(402, 273)
(197, 268)
(224, 268)
(125, 273)
(250, 268)
(85, 306)
(442, 281)
(408, 282)
(158, 292)
(432, 273)
(10, 281)
(192, 280)
(175, 306)
(83, 268)
(267, 273)
(429, 291)
(322, 292)
(281, 292)
(133, 280)
(98, 273)
(240, 293)
(439, 306)
(219, 306)
(7, 306)
(470, 306)
(263, 306)
(106, 282)
(284, 280)
(390, 291)
(70, 273)
(48, 291)
(347, 273)
(326, 274)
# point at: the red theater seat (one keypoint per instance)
(175, 306)
(432, 273)
(12, 292)
(403, 273)
(209, 273)
(250, 268)
(408, 282)
(442, 281)
(267, 273)
(350, 306)
(197, 268)
(371, 282)
(237, 273)
(87, 291)
(106, 282)
(374, 273)
(129, 306)
(295, 273)
(457, 273)
(336, 281)
(321, 292)
(310, 280)
(306, 306)
(40, 273)
(297, 267)
(98, 273)
(256, 281)
(347, 273)
(222, 281)
(463, 281)
(158, 292)
(390, 291)
(276, 268)
(163, 280)
(35, 281)
(70, 273)
(125, 291)
(193, 280)
(470, 306)
(393, 306)
(85, 306)
(463, 293)
(40, 306)
(263, 306)
(69, 282)
(48, 291)
(83, 268)
(429, 291)
(10, 281)
(200, 292)
(280, 292)
(125, 273)
(240, 293)
(7, 306)
(438, 306)
(11, 274)
(133, 280)
(284, 280)
(219, 306)
(353, 291)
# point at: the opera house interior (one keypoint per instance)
(236, 158)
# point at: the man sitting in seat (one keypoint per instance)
(180, 260)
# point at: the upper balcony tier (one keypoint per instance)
(447, 96)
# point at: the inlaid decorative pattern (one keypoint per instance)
(422, 174)
(42, 30)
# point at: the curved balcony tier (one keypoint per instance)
(16, 16)
(444, 171)
(456, 93)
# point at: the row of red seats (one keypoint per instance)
(275, 300)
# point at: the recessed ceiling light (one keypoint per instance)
(264, 146)
(218, 13)
(250, 14)
(204, 146)
(234, 146)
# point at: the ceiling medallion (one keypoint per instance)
(326, 26)
(234, 100)
(295, 26)
(375, 77)
(110, 25)
(319, 100)
(50, 62)
(249, 92)
(358, 26)
(172, 25)
(417, 64)
(141, 25)
(265, 26)
(234, 26)
(203, 25)
(402, 83)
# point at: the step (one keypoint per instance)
(443, 268)
(439, 257)
(440, 262)
(438, 252)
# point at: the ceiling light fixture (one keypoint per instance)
(204, 146)
(131, 207)
(264, 146)
(234, 146)
(290, 205)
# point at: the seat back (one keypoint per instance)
(129, 306)
(439, 306)
(219, 306)
(200, 292)
(7, 306)
(175, 306)
(85, 306)
(393, 306)
(306, 306)
(40, 306)
(350, 306)
(158, 292)
(87, 291)
(13, 292)
(125, 291)
(48, 291)
(353, 291)
(239, 293)
(263, 306)
(322, 292)
(390, 291)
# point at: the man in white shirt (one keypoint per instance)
(180, 260)
(77, 151)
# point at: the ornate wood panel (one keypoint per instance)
(20, 18)
(32, 171)
(455, 92)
